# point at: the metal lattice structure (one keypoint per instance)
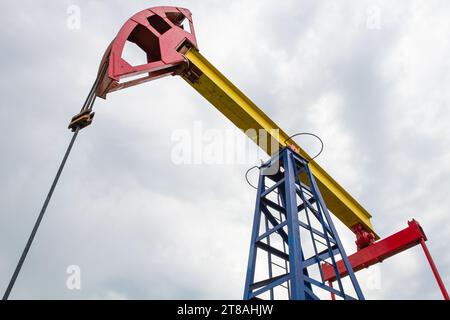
(297, 237)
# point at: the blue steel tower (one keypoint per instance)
(293, 236)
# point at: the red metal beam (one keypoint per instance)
(385, 248)
(379, 251)
(435, 271)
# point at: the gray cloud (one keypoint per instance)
(142, 227)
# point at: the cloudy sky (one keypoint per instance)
(370, 77)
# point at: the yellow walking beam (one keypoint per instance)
(239, 109)
(171, 49)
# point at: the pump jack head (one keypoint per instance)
(160, 32)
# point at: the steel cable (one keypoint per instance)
(88, 104)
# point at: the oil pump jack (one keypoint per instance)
(293, 232)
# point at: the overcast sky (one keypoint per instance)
(370, 77)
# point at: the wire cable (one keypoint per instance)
(87, 105)
(250, 169)
(309, 134)
(289, 138)
(90, 99)
(246, 176)
(39, 219)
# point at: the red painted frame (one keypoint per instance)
(160, 41)
(385, 248)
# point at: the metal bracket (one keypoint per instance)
(364, 238)
(81, 120)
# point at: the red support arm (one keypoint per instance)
(434, 269)
(379, 251)
(383, 249)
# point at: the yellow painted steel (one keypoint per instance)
(238, 108)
